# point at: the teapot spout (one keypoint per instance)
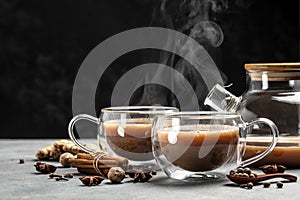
(222, 100)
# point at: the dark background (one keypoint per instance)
(43, 43)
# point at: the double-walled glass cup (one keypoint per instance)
(201, 145)
(124, 131)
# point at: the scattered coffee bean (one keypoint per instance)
(247, 185)
(245, 175)
(279, 184)
(266, 184)
(247, 170)
(250, 185)
(240, 170)
(252, 175)
(243, 172)
(232, 172)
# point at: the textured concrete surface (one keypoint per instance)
(21, 181)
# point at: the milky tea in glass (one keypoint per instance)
(125, 131)
(202, 144)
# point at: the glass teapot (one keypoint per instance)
(273, 92)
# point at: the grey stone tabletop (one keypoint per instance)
(22, 181)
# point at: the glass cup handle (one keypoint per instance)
(275, 134)
(71, 129)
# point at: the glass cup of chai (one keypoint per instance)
(124, 131)
(204, 145)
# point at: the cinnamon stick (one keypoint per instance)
(85, 156)
(92, 167)
(121, 161)
(90, 162)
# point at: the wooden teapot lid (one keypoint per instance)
(273, 71)
(273, 66)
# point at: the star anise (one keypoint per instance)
(91, 180)
(140, 175)
(44, 167)
(270, 169)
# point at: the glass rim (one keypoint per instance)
(201, 115)
(140, 109)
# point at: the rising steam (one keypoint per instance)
(196, 19)
(208, 31)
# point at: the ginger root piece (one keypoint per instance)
(71, 147)
(64, 159)
(55, 154)
(44, 153)
(59, 144)
(59, 147)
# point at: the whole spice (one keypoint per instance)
(250, 185)
(252, 175)
(71, 147)
(243, 172)
(44, 168)
(64, 159)
(140, 175)
(279, 184)
(240, 170)
(91, 180)
(69, 175)
(85, 163)
(245, 175)
(61, 179)
(55, 154)
(281, 168)
(58, 147)
(247, 171)
(66, 146)
(122, 162)
(60, 143)
(52, 175)
(116, 174)
(249, 180)
(271, 169)
(21, 161)
(266, 184)
(232, 172)
(247, 185)
(44, 153)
